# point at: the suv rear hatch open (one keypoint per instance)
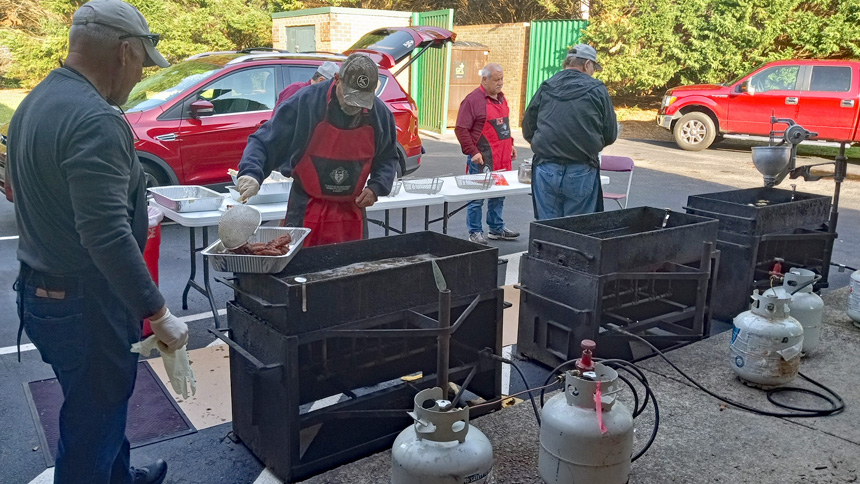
(388, 46)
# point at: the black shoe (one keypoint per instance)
(152, 474)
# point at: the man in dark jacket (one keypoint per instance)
(568, 122)
(332, 138)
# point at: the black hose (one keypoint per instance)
(526, 383)
(837, 405)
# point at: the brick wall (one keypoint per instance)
(336, 29)
(509, 47)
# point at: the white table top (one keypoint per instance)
(269, 211)
(450, 193)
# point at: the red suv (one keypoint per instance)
(821, 95)
(181, 140)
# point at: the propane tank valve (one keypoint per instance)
(585, 363)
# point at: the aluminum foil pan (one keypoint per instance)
(224, 261)
(187, 198)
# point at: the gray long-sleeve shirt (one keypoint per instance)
(79, 189)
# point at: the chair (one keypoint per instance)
(619, 164)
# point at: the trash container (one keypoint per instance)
(151, 252)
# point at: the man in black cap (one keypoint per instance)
(80, 206)
(568, 122)
(332, 138)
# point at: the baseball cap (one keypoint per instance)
(327, 69)
(125, 18)
(359, 76)
(585, 51)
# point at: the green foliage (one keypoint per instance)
(188, 27)
(648, 45)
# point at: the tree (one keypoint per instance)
(36, 31)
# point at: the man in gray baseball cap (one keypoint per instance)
(339, 143)
(358, 78)
(568, 122)
(125, 18)
(587, 52)
(83, 286)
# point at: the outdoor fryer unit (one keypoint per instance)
(644, 269)
(346, 323)
(759, 227)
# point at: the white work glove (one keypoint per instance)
(170, 331)
(176, 364)
(247, 186)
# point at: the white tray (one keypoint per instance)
(271, 196)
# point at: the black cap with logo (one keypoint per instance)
(359, 76)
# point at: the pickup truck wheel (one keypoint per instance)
(695, 131)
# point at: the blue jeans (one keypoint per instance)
(474, 209)
(85, 333)
(562, 190)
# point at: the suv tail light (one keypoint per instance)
(405, 106)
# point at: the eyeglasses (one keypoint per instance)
(153, 38)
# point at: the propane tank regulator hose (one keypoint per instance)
(837, 404)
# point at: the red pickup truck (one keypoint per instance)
(823, 96)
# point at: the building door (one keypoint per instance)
(301, 39)
(432, 74)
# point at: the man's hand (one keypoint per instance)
(478, 159)
(513, 152)
(366, 198)
(247, 186)
(169, 330)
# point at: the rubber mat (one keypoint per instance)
(153, 415)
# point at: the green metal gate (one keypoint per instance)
(549, 41)
(431, 75)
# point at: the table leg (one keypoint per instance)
(403, 221)
(206, 288)
(193, 254)
(206, 283)
(386, 223)
(445, 219)
(426, 217)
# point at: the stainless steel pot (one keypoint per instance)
(524, 173)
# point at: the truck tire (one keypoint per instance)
(695, 131)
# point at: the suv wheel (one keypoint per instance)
(155, 177)
(695, 131)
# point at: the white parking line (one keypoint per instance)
(187, 319)
(10, 237)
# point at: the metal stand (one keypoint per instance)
(192, 283)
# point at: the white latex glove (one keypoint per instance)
(170, 331)
(247, 186)
(176, 364)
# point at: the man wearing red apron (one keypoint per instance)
(484, 133)
(332, 138)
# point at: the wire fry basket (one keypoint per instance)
(395, 188)
(476, 181)
(427, 186)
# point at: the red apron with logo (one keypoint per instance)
(332, 173)
(497, 132)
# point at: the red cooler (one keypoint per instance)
(151, 252)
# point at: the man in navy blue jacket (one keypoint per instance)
(332, 138)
